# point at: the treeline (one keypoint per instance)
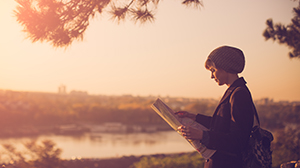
(23, 109)
(278, 115)
(43, 109)
(27, 109)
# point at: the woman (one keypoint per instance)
(231, 123)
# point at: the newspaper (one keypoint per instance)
(168, 115)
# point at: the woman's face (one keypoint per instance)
(219, 75)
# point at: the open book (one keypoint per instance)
(168, 115)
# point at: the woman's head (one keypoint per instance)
(229, 59)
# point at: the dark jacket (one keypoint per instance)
(229, 127)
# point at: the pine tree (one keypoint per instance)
(60, 22)
(288, 35)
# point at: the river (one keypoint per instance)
(107, 145)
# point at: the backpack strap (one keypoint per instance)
(256, 115)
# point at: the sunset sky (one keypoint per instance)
(163, 58)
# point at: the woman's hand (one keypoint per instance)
(190, 133)
(183, 114)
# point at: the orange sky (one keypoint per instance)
(161, 58)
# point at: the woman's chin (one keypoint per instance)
(220, 84)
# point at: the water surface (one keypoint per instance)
(105, 145)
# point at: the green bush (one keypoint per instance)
(190, 160)
(36, 155)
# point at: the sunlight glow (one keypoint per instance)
(164, 58)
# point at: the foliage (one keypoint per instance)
(60, 22)
(203, 107)
(30, 110)
(286, 146)
(44, 155)
(23, 110)
(288, 35)
(277, 115)
(191, 160)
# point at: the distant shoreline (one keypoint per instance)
(80, 129)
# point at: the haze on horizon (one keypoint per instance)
(163, 58)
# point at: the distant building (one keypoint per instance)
(62, 89)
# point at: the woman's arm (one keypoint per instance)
(191, 133)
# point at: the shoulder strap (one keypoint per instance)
(256, 115)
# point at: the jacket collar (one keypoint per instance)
(237, 83)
